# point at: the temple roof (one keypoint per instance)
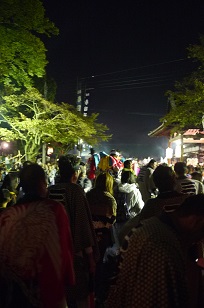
(193, 132)
(191, 135)
(161, 131)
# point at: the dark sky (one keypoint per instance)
(135, 50)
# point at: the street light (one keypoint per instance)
(4, 145)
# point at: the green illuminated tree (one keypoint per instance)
(32, 120)
(26, 115)
(187, 101)
(22, 51)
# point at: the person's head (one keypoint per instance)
(5, 197)
(152, 164)
(128, 164)
(196, 176)
(68, 168)
(82, 170)
(115, 154)
(27, 162)
(33, 180)
(11, 181)
(127, 177)
(92, 151)
(190, 169)
(190, 216)
(164, 178)
(104, 182)
(180, 168)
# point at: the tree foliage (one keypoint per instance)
(32, 120)
(22, 52)
(29, 115)
(187, 100)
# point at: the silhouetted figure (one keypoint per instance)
(36, 253)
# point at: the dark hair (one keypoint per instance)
(193, 205)
(114, 153)
(68, 165)
(9, 180)
(127, 177)
(127, 163)
(151, 162)
(82, 171)
(27, 162)
(92, 151)
(31, 176)
(180, 168)
(164, 178)
(196, 175)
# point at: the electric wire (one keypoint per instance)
(132, 78)
(136, 68)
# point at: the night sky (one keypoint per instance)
(135, 50)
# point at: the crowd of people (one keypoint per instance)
(105, 232)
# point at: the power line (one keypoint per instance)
(131, 82)
(138, 81)
(146, 114)
(136, 68)
(126, 79)
(147, 86)
(132, 113)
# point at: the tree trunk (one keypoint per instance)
(31, 150)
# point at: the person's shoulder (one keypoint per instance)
(184, 180)
(108, 195)
(86, 180)
(56, 186)
(142, 228)
(55, 206)
(153, 230)
(153, 201)
(77, 188)
(149, 170)
(199, 186)
(66, 186)
(52, 202)
(197, 182)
